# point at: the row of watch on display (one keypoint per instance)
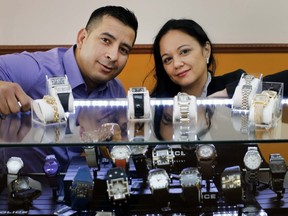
(194, 181)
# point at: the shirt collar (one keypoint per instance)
(204, 93)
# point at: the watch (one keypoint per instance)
(184, 101)
(117, 184)
(81, 188)
(246, 91)
(278, 169)
(206, 155)
(252, 161)
(120, 155)
(260, 101)
(60, 87)
(159, 182)
(51, 168)
(190, 181)
(91, 156)
(138, 154)
(231, 183)
(163, 157)
(14, 164)
(25, 189)
(138, 104)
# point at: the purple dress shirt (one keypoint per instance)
(29, 70)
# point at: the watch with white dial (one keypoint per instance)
(231, 183)
(117, 184)
(278, 169)
(252, 161)
(14, 164)
(120, 155)
(206, 155)
(159, 182)
(163, 157)
(190, 181)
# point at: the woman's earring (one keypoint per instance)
(207, 60)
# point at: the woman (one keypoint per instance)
(184, 62)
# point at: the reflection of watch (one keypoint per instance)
(81, 188)
(163, 157)
(278, 171)
(231, 184)
(25, 189)
(138, 154)
(190, 180)
(51, 167)
(120, 155)
(159, 182)
(246, 91)
(259, 103)
(252, 161)
(117, 184)
(206, 154)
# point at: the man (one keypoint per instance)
(91, 65)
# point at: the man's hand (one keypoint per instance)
(13, 99)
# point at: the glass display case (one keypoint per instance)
(100, 162)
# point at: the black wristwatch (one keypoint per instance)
(138, 154)
(163, 157)
(278, 171)
(117, 185)
(206, 155)
(190, 181)
(231, 183)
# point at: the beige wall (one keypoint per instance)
(28, 22)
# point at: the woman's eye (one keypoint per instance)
(166, 119)
(166, 60)
(185, 51)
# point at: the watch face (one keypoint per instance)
(206, 151)
(58, 80)
(120, 152)
(231, 181)
(19, 184)
(82, 189)
(158, 180)
(118, 189)
(252, 160)
(138, 149)
(261, 98)
(14, 164)
(191, 177)
(51, 167)
(278, 166)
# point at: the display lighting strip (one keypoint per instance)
(154, 102)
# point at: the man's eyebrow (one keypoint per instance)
(129, 47)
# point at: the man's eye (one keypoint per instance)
(105, 40)
(124, 51)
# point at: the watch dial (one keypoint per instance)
(231, 181)
(278, 166)
(158, 181)
(119, 189)
(120, 152)
(206, 151)
(252, 160)
(51, 167)
(20, 184)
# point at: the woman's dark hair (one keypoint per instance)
(124, 15)
(165, 87)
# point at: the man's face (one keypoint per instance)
(103, 51)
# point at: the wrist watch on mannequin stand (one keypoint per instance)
(278, 169)
(120, 155)
(252, 161)
(246, 91)
(14, 165)
(51, 170)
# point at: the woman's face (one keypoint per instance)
(184, 59)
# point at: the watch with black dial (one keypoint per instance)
(231, 183)
(278, 169)
(206, 155)
(120, 155)
(81, 190)
(25, 189)
(163, 157)
(252, 161)
(51, 168)
(117, 184)
(159, 182)
(190, 180)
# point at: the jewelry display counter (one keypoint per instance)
(100, 161)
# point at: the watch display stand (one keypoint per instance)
(247, 87)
